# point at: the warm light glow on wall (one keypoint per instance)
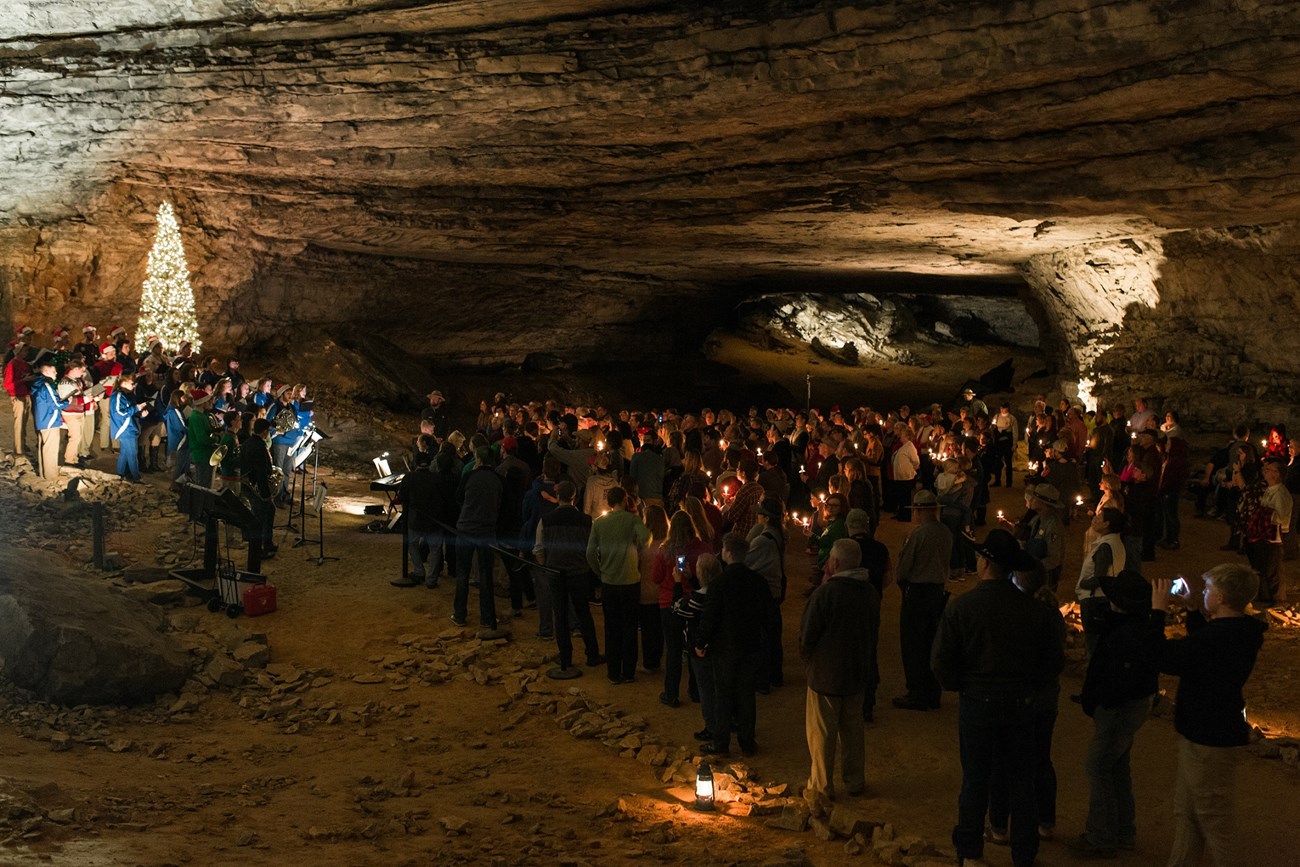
(167, 302)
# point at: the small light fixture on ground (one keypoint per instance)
(704, 788)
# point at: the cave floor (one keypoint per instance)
(217, 785)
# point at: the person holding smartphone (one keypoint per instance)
(1212, 663)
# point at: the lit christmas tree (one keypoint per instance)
(167, 303)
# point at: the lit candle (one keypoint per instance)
(709, 473)
(760, 453)
(1001, 515)
(821, 497)
(1078, 501)
(604, 513)
(600, 446)
(1263, 443)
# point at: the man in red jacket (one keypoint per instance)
(106, 372)
(18, 385)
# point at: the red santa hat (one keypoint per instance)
(25, 330)
(154, 341)
(106, 348)
(89, 329)
(117, 331)
(61, 333)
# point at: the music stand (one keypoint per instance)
(318, 502)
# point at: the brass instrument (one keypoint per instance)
(218, 456)
(285, 420)
(277, 478)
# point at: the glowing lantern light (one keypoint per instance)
(704, 788)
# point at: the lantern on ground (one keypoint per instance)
(704, 788)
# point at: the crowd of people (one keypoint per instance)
(158, 410)
(677, 525)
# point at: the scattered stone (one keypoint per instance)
(225, 672)
(454, 825)
(794, 817)
(251, 654)
(821, 829)
(848, 823)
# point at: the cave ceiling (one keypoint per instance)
(334, 159)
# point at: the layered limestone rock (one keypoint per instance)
(481, 181)
(1204, 321)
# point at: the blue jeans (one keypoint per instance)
(996, 732)
(1169, 516)
(1044, 772)
(674, 646)
(128, 462)
(433, 540)
(182, 467)
(1111, 812)
(467, 550)
(703, 668)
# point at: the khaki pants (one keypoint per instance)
(104, 432)
(1203, 805)
(72, 424)
(831, 721)
(19, 405)
(87, 433)
(48, 457)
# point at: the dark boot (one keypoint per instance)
(153, 460)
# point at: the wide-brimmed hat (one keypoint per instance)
(772, 508)
(1001, 547)
(924, 500)
(437, 394)
(1048, 494)
(1128, 591)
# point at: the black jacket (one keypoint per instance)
(735, 611)
(479, 494)
(838, 640)
(255, 466)
(996, 642)
(564, 540)
(426, 499)
(1212, 662)
(1124, 666)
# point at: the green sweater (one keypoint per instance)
(613, 546)
(202, 439)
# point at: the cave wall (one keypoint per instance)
(1204, 320)
(476, 182)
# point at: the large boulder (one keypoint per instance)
(73, 640)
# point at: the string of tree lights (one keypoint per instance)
(167, 302)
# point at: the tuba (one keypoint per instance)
(276, 479)
(218, 456)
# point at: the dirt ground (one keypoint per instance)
(445, 770)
